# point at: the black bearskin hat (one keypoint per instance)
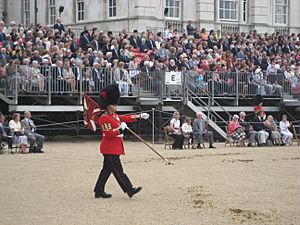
(257, 99)
(109, 95)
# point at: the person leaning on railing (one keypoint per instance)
(295, 83)
(69, 76)
(89, 79)
(122, 78)
(25, 72)
(36, 78)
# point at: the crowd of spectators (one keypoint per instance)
(194, 132)
(258, 55)
(261, 131)
(21, 134)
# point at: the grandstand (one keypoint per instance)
(217, 75)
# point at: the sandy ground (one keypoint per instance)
(225, 186)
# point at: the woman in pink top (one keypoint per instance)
(236, 131)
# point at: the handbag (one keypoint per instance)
(240, 130)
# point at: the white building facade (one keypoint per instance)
(115, 15)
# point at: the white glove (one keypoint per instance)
(123, 125)
(144, 116)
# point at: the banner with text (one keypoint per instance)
(173, 78)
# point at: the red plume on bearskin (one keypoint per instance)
(91, 110)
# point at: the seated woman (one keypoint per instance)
(236, 131)
(19, 137)
(187, 130)
(175, 131)
(284, 126)
(276, 137)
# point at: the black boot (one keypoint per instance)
(134, 191)
(102, 195)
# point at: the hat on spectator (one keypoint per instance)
(109, 95)
(258, 99)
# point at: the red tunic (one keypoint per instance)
(258, 108)
(112, 140)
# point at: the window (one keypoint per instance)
(80, 10)
(112, 8)
(245, 8)
(52, 11)
(228, 9)
(173, 8)
(26, 13)
(281, 11)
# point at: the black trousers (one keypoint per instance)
(112, 164)
(9, 141)
(178, 141)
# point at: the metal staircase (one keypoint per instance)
(195, 101)
(290, 100)
(216, 122)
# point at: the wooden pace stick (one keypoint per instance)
(142, 140)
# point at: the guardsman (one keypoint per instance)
(112, 127)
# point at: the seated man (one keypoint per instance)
(260, 128)
(4, 136)
(199, 129)
(33, 137)
(250, 133)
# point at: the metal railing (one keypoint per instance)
(195, 98)
(16, 81)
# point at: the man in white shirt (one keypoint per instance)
(284, 126)
(33, 137)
